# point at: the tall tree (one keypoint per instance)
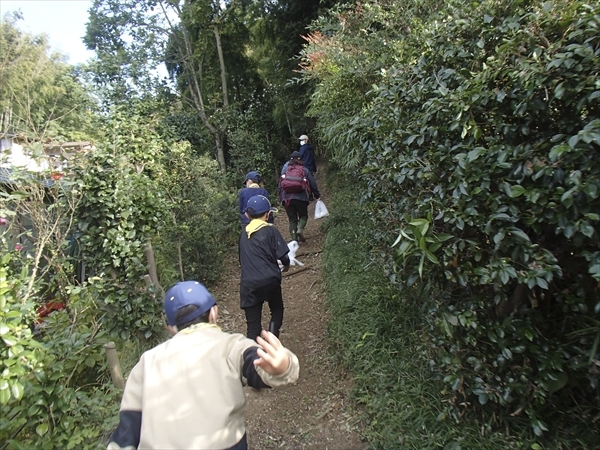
(186, 35)
(39, 93)
(278, 40)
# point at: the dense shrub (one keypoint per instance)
(119, 211)
(202, 222)
(253, 144)
(380, 335)
(51, 371)
(480, 144)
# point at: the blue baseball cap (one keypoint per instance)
(254, 176)
(187, 293)
(259, 204)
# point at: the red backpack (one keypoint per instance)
(294, 180)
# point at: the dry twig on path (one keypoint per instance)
(309, 252)
(301, 269)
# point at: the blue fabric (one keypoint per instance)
(249, 369)
(242, 445)
(129, 429)
(308, 157)
(245, 195)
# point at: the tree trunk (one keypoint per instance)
(5, 121)
(194, 76)
(152, 266)
(180, 259)
(222, 66)
(220, 151)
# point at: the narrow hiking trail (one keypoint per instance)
(314, 413)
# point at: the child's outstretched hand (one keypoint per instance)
(273, 358)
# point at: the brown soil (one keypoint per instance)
(314, 413)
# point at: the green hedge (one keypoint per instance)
(478, 142)
(380, 334)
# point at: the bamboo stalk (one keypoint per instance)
(114, 365)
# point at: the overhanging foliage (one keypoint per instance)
(478, 137)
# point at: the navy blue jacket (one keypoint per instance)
(245, 195)
(308, 157)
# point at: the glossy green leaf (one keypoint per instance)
(42, 429)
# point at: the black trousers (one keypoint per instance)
(296, 210)
(270, 294)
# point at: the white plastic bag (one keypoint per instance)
(293, 246)
(320, 209)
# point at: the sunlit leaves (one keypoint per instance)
(38, 88)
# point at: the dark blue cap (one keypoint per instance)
(187, 293)
(259, 204)
(254, 176)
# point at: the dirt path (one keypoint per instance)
(315, 412)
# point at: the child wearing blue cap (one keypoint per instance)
(251, 188)
(188, 392)
(261, 246)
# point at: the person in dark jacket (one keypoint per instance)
(308, 154)
(251, 188)
(261, 248)
(296, 203)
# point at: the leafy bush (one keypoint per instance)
(119, 211)
(253, 145)
(203, 222)
(480, 144)
(380, 335)
(51, 394)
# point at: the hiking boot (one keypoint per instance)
(292, 229)
(301, 225)
(274, 328)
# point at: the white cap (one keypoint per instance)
(303, 138)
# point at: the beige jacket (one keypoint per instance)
(188, 392)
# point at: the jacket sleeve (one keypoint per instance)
(258, 378)
(127, 434)
(241, 203)
(313, 183)
(288, 377)
(249, 369)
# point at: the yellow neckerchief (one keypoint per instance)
(255, 225)
(254, 185)
(199, 326)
